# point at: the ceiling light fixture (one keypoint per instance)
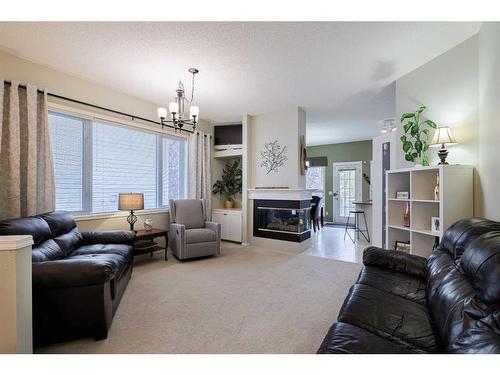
(178, 107)
(388, 124)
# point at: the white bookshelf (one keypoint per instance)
(455, 202)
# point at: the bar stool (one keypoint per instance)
(357, 228)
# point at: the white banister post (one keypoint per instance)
(15, 294)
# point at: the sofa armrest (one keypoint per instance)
(66, 273)
(395, 261)
(116, 237)
(216, 227)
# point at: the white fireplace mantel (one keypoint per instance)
(281, 194)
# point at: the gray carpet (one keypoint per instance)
(249, 300)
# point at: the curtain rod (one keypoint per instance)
(103, 108)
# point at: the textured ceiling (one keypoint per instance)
(339, 72)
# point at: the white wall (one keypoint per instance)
(286, 127)
(489, 120)
(448, 86)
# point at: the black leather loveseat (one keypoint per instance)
(449, 303)
(78, 278)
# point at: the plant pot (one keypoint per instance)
(229, 204)
(418, 161)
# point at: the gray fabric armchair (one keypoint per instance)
(190, 235)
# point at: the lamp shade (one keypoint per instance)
(442, 136)
(131, 201)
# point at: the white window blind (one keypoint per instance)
(66, 135)
(123, 161)
(108, 159)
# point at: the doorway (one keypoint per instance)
(347, 188)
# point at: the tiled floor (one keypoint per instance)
(329, 243)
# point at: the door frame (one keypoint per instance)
(358, 165)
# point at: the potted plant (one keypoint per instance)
(231, 183)
(415, 139)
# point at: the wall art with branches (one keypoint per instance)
(273, 157)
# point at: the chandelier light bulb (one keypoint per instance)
(162, 112)
(194, 111)
(173, 107)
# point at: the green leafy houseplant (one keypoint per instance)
(415, 139)
(231, 182)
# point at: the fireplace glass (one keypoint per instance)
(284, 220)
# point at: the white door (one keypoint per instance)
(347, 178)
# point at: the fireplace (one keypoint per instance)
(286, 220)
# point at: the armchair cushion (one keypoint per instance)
(188, 212)
(394, 261)
(115, 237)
(197, 235)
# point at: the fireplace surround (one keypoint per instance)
(286, 220)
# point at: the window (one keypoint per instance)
(315, 179)
(94, 161)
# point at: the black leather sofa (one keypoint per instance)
(449, 303)
(78, 278)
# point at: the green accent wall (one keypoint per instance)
(343, 152)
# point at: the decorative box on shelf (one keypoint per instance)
(438, 196)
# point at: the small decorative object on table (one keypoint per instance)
(435, 224)
(402, 195)
(402, 246)
(436, 188)
(131, 202)
(406, 216)
(442, 137)
(416, 138)
(148, 224)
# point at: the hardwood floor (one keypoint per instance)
(329, 243)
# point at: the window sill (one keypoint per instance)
(110, 215)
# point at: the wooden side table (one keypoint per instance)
(145, 244)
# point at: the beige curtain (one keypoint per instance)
(199, 175)
(26, 171)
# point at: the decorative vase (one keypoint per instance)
(406, 216)
(148, 224)
(229, 203)
(418, 161)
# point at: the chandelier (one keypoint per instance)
(177, 108)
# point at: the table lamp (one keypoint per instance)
(442, 137)
(131, 201)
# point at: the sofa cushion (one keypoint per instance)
(69, 241)
(60, 222)
(343, 338)
(34, 226)
(458, 236)
(481, 264)
(189, 212)
(125, 251)
(400, 284)
(197, 235)
(115, 264)
(46, 251)
(392, 317)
